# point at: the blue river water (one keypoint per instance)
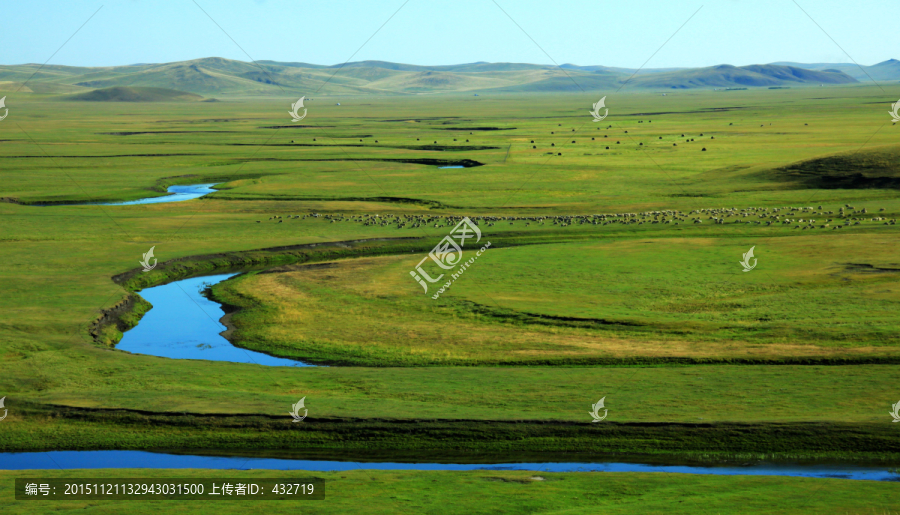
(178, 194)
(142, 459)
(184, 324)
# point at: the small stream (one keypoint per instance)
(54, 460)
(184, 324)
(178, 194)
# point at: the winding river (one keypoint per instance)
(184, 324)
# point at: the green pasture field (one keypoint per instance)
(533, 301)
(120, 150)
(502, 492)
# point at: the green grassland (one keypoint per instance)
(504, 491)
(795, 358)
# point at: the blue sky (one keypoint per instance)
(621, 33)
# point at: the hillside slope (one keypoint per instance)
(876, 168)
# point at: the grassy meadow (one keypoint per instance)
(606, 298)
(797, 357)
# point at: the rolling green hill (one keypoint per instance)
(215, 76)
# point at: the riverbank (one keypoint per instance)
(38, 427)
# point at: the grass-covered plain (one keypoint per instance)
(541, 296)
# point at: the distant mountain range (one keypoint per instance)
(886, 71)
(218, 77)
